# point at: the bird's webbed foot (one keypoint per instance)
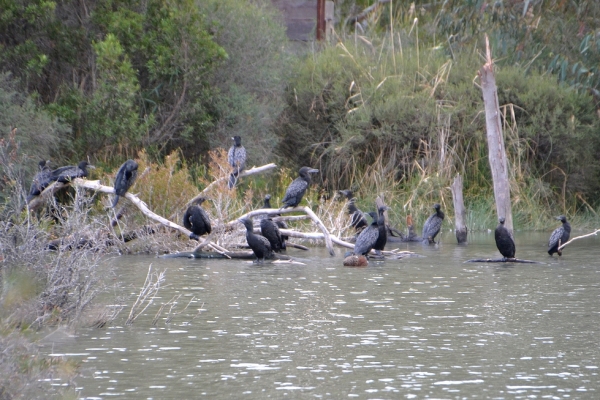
(193, 236)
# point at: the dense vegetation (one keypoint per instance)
(394, 97)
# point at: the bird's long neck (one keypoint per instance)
(380, 219)
(352, 207)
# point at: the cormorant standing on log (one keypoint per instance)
(433, 225)
(280, 224)
(357, 217)
(269, 229)
(125, 178)
(382, 238)
(259, 244)
(296, 189)
(196, 219)
(560, 236)
(67, 173)
(237, 159)
(367, 238)
(504, 240)
(41, 180)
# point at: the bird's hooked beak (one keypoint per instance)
(313, 171)
(90, 166)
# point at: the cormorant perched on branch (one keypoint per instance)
(433, 225)
(269, 229)
(382, 238)
(504, 240)
(357, 217)
(237, 159)
(67, 173)
(196, 219)
(560, 236)
(41, 180)
(124, 179)
(259, 244)
(280, 224)
(296, 189)
(367, 237)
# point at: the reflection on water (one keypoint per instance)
(430, 327)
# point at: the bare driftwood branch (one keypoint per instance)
(247, 172)
(324, 235)
(40, 200)
(562, 246)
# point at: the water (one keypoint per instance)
(430, 327)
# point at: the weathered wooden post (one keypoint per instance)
(495, 139)
(459, 209)
(329, 16)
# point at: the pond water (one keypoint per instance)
(427, 327)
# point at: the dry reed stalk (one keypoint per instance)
(147, 294)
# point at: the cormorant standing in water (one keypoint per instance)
(433, 225)
(357, 217)
(382, 238)
(367, 237)
(124, 179)
(196, 219)
(237, 159)
(280, 224)
(560, 236)
(269, 229)
(296, 189)
(259, 244)
(504, 240)
(41, 180)
(68, 173)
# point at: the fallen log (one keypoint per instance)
(504, 260)
(239, 255)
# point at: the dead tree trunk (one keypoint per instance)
(459, 209)
(495, 138)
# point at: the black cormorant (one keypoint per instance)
(382, 238)
(269, 229)
(280, 224)
(296, 189)
(504, 240)
(237, 159)
(68, 173)
(124, 179)
(259, 244)
(196, 219)
(560, 236)
(367, 238)
(41, 180)
(433, 225)
(357, 217)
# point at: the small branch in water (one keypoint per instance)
(147, 294)
(562, 246)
